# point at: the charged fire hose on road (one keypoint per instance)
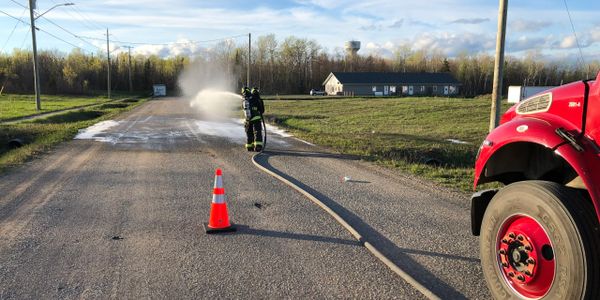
(264, 132)
(409, 279)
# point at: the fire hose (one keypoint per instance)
(378, 254)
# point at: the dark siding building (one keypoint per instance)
(391, 84)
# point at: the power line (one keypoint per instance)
(13, 31)
(73, 16)
(80, 12)
(46, 32)
(19, 4)
(60, 39)
(575, 34)
(3, 12)
(167, 44)
(65, 30)
(69, 32)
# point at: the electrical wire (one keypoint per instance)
(166, 44)
(68, 12)
(19, 4)
(69, 32)
(62, 28)
(9, 15)
(13, 31)
(80, 12)
(575, 34)
(46, 32)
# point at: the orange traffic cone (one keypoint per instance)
(219, 219)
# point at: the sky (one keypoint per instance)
(452, 27)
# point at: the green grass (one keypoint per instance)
(14, 106)
(40, 135)
(404, 133)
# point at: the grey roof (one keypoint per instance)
(393, 78)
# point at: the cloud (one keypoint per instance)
(595, 34)
(525, 43)
(453, 43)
(182, 47)
(376, 49)
(470, 21)
(521, 25)
(568, 42)
(397, 24)
(371, 27)
(450, 44)
(328, 4)
(421, 23)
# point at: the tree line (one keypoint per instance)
(289, 66)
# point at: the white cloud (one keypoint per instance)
(454, 43)
(521, 25)
(470, 21)
(568, 42)
(450, 44)
(182, 47)
(524, 43)
(442, 25)
(595, 34)
(397, 24)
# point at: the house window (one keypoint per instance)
(452, 89)
(374, 88)
(392, 89)
(422, 89)
(435, 89)
(404, 89)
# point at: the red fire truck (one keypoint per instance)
(539, 233)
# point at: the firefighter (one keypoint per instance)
(253, 108)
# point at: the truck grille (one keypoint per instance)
(536, 104)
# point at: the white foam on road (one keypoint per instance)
(232, 131)
(91, 132)
(154, 130)
(454, 141)
(278, 131)
(270, 128)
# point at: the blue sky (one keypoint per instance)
(448, 26)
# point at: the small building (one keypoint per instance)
(391, 84)
(159, 90)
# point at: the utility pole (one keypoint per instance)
(36, 70)
(130, 82)
(498, 65)
(249, 59)
(108, 60)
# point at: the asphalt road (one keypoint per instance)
(119, 213)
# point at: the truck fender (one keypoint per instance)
(518, 130)
(584, 163)
(543, 134)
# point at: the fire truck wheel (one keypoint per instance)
(541, 239)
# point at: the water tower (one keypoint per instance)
(352, 47)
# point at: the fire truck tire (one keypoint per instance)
(539, 240)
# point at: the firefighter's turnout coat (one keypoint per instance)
(253, 113)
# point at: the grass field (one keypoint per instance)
(42, 134)
(15, 106)
(411, 134)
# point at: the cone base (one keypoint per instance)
(218, 230)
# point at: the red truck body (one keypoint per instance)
(566, 111)
(540, 233)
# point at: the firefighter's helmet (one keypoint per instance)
(245, 91)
